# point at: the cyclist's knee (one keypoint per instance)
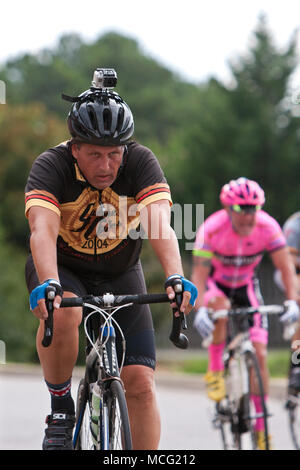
(139, 383)
(219, 303)
(66, 321)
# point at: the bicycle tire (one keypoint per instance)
(294, 421)
(227, 409)
(235, 421)
(230, 439)
(118, 432)
(254, 375)
(82, 436)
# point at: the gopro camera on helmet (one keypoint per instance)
(104, 78)
(100, 116)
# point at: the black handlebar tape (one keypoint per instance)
(48, 326)
(179, 339)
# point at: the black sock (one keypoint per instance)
(61, 398)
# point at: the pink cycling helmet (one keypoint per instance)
(243, 192)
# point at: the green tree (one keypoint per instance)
(268, 138)
(159, 99)
(245, 130)
(25, 132)
(17, 324)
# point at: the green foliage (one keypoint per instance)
(246, 130)
(17, 324)
(158, 99)
(277, 360)
(25, 132)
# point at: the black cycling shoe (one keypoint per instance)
(59, 433)
(294, 381)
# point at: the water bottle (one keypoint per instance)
(95, 412)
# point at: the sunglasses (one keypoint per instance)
(245, 208)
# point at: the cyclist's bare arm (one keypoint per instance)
(44, 227)
(200, 273)
(283, 262)
(155, 219)
(295, 254)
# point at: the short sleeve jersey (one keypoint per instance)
(99, 230)
(291, 230)
(233, 257)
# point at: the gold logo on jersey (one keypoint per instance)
(94, 226)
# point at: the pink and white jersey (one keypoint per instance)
(233, 257)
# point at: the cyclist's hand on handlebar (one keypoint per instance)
(292, 313)
(203, 323)
(38, 298)
(188, 291)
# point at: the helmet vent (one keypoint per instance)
(120, 119)
(93, 117)
(107, 119)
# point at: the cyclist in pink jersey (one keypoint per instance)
(229, 246)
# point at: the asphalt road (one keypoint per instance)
(185, 412)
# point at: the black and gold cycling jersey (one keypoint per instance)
(99, 230)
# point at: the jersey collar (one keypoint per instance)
(79, 175)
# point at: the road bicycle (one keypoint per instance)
(102, 421)
(292, 404)
(235, 415)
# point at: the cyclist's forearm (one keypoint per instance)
(289, 281)
(155, 220)
(282, 261)
(44, 227)
(167, 251)
(43, 249)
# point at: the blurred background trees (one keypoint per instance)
(204, 135)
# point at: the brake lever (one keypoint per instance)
(48, 324)
(178, 338)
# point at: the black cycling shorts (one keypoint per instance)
(135, 321)
(244, 296)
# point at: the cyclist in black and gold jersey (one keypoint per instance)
(86, 200)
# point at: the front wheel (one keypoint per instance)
(255, 387)
(83, 439)
(119, 434)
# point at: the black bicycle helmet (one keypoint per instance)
(100, 117)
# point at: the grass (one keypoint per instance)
(278, 363)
